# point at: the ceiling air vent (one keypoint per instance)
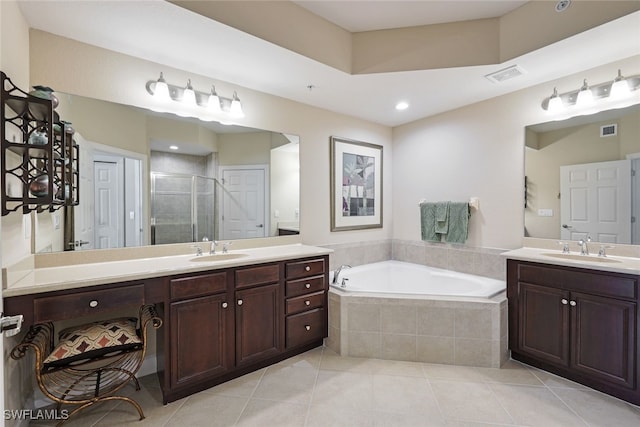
(608, 130)
(506, 74)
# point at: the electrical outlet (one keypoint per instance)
(56, 222)
(26, 226)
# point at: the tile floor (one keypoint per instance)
(321, 388)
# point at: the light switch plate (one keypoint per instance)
(545, 212)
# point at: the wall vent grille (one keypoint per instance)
(608, 130)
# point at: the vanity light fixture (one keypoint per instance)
(585, 95)
(214, 101)
(161, 92)
(555, 102)
(192, 100)
(620, 88)
(236, 107)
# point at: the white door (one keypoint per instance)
(596, 201)
(83, 213)
(243, 203)
(108, 229)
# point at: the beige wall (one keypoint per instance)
(102, 74)
(477, 150)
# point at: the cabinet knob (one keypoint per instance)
(307, 327)
(307, 302)
(239, 302)
(307, 285)
(225, 305)
(572, 303)
(564, 301)
(307, 268)
(93, 303)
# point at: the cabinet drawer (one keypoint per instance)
(84, 303)
(305, 286)
(308, 268)
(206, 284)
(305, 327)
(305, 302)
(581, 280)
(257, 275)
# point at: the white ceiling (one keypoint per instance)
(162, 32)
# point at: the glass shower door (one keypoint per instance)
(172, 219)
(204, 208)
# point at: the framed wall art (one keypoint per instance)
(356, 184)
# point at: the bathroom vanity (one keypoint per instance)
(222, 317)
(577, 322)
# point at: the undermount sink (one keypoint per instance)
(584, 258)
(217, 257)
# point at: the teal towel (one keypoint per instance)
(442, 217)
(458, 222)
(428, 222)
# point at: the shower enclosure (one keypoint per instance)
(182, 208)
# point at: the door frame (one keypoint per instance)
(98, 149)
(267, 197)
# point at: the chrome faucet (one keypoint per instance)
(584, 247)
(603, 250)
(225, 247)
(337, 271)
(212, 249)
(198, 250)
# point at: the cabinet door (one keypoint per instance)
(603, 336)
(544, 323)
(201, 331)
(258, 323)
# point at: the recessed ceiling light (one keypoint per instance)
(173, 147)
(402, 105)
(562, 5)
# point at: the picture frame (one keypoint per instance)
(356, 184)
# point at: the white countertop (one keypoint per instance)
(615, 264)
(83, 275)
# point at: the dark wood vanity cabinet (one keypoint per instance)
(226, 323)
(578, 323)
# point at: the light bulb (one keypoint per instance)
(214, 101)
(620, 87)
(189, 96)
(161, 90)
(236, 108)
(555, 102)
(585, 96)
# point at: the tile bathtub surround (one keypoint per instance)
(355, 392)
(359, 253)
(457, 332)
(485, 262)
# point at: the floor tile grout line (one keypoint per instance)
(315, 382)
(177, 409)
(264, 371)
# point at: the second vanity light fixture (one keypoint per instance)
(618, 89)
(191, 100)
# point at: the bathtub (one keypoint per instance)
(396, 277)
(408, 312)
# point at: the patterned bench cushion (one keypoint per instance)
(78, 344)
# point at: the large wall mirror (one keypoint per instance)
(579, 179)
(156, 178)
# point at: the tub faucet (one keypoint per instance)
(337, 271)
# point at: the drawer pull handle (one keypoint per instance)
(564, 301)
(572, 303)
(239, 302)
(307, 327)
(93, 303)
(225, 305)
(307, 268)
(307, 285)
(307, 302)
